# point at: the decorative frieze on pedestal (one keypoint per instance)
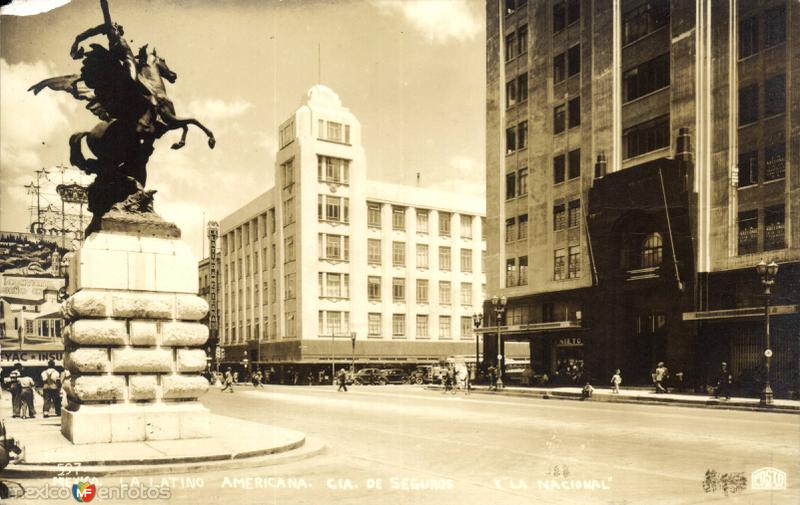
(133, 343)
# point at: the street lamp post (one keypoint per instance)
(477, 319)
(767, 272)
(499, 305)
(353, 353)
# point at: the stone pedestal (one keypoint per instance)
(133, 342)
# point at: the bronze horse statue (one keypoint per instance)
(128, 94)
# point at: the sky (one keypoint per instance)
(413, 72)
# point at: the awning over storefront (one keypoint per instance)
(516, 329)
(740, 313)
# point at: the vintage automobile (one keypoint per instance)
(395, 375)
(367, 376)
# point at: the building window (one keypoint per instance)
(333, 208)
(444, 224)
(559, 118)
(288, 248)
(573, 218)
(422, 291)
(510, 229)
(559, 67)
(748, 37)
(523, 270)
(522, 87)
(466, 327)
(511, 140)
(466, 293)
(559, 264)
(748, 104)
(559, 217)
(334, 247)
(374, 215)
(466, 260)
(646, 137)
(444, 258)
(522, 39)
(573, 11)
(775, 95)
(559, 166)
(574, 112)
(333, 170)
(510, 47)
(522, 178)
(775, 26)
(748, 232)
(573, 60)
(288, 211)
(511, 273)
(422, 255)
(652, 251)
(288, 172)
(334, 285)
(398, 218)
(511, 185)
(522, 135)
(444, 293)
(522, 227)
(374, 288)
(398, 289)
(559, 16)
(399, 254)
(774, 224)
(422, 221)
(286, 134)
(398, 325)
(334, 132)
(511, 93)
(374, 324)
(644, 20)
(466, 226)
(289, 286)
(422, 326)
(748, 169)
(444, 327)
(374, 251)
(775, 164)
(484, 231)
(574, 164)
(646, 78)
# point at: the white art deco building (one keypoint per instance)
(327, 253)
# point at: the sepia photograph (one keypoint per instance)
(356, 252)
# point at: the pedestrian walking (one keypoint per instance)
(724, 381)
(256, 379)
(587, 391)
(228, 381)
(14, 386)
(616, 380)
(51, 389)
(341, 377)
(26, 384)
(492, 378)
(236, 377)
(660, 376)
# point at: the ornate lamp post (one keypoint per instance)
(477, 319)
(767, 273)
(499, 305)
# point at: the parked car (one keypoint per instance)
(370, 376)
(395, 375)
(420, 375)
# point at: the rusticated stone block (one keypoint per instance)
(142, 305)
(144, 333)
(181, 334)
(86, 303)
(143, 387)
(183, 386)
(190, 307)
(87, 360)
(141, 360)
(191, 360)
(88, 388)
(98, 332)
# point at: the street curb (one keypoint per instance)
(306, 450)
(675, 402)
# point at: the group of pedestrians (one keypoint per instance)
(23, 388)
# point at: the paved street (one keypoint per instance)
(485, 449)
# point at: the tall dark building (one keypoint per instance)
(642, 159)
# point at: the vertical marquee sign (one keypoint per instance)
(213, 322)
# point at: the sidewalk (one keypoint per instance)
(642, 396)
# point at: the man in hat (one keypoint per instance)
(724, 382)
(13, 379)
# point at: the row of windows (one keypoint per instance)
(517, 271)
(774, 225)
(774, 99)
(517, 137)
(422, 291)
(399, 255)
(774, 31)
(517, 228)
(566, 216)
(517, 183)
(774, 165)
(249, 232)
(517, 43)
(422, 218)
(375, 324)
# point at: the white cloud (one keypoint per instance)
(30, 7)
(463, 176)
(214, 110)
(439, 20)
